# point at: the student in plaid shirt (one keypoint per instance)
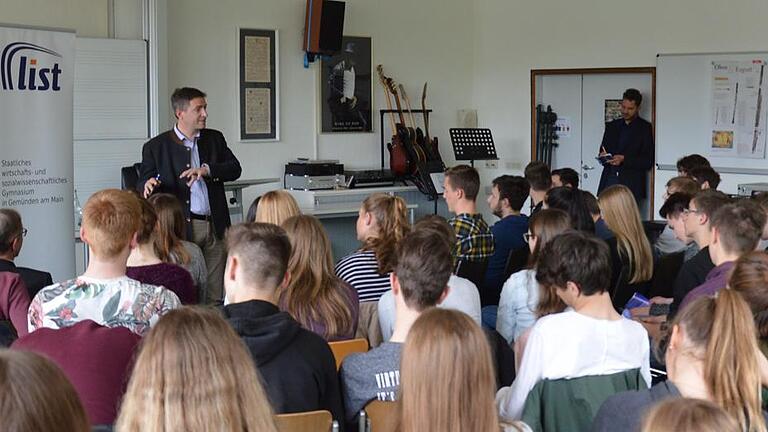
(474, 240)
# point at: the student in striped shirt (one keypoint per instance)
(381, 223)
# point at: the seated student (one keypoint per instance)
(297, 366)
(571, 201)
(540, 182)
(578, 266)
(14, 303)
(520, 294)
(749, 278)
(687, 163)
(736, 229)
(667, 242)
(673, 210)
(96, 359)
(567, 177)
(762, 200)
(507, 197)
(601, 228)
(419, 282)
(447, 376)
(194, 374)
(474, 240)
(462, 294)
(12, 233)
(104, 294)
(145, 266)
(381, 223)
(689, 415)
(275, 207)
(707, 357)
(696, 219)
(170, 244)
(36, 396)
(705, 177)
(314, 295)
(631, 256)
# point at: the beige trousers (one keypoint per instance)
(215, 256)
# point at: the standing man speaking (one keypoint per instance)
(627, 148)
(192, 163)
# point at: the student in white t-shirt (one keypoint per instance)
(591, 339)
(462, 295)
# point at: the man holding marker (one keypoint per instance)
(192, 163)
(627, 148)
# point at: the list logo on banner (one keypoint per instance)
(29, 75)
(36, 100)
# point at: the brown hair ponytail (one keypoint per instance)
(722, 328)
(391, 215)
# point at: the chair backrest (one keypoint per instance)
(341, 349)
(571, 404)
(665, 272)
(311, 421)
(516, 261)
(475, 272)
(380, 416)
(129, 176)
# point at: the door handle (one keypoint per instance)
(586, 167)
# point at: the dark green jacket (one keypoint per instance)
(570, 405)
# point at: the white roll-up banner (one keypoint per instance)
(37, 78)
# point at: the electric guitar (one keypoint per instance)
(398, 158)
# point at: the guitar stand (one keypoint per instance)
(471, 144)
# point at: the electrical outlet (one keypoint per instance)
(492, 164)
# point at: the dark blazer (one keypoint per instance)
(638, 155)
(35, 280)
(167, 156)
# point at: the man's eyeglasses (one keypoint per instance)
(688, 211)
(528, 236)
(24, 232)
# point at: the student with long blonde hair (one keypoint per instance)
(314, 295)
(712, 355)
(381, 223)
(631, 256)
(275, 207)
(447, 381)
(194, 374)
(36, 396)
(689, 415)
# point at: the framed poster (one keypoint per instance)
(258, 94)
(612, 110)
(346, 93)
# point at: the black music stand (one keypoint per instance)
(473, 144)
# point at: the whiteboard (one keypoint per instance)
(111, 111)
(684, 111)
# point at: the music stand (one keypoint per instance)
(473, 144)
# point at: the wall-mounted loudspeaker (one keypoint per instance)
(323, 26)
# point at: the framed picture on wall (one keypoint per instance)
(258, 92)
(345, 87)
(612, 110)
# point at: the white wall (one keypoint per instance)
(87, 17)
(426, 40)
(513, 37)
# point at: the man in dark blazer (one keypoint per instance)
(12, 234)
(192, 163)
(630, 142)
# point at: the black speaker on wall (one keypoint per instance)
(323, 26)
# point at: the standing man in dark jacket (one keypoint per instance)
(629, 141)
(297, 366)
(192, 163)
